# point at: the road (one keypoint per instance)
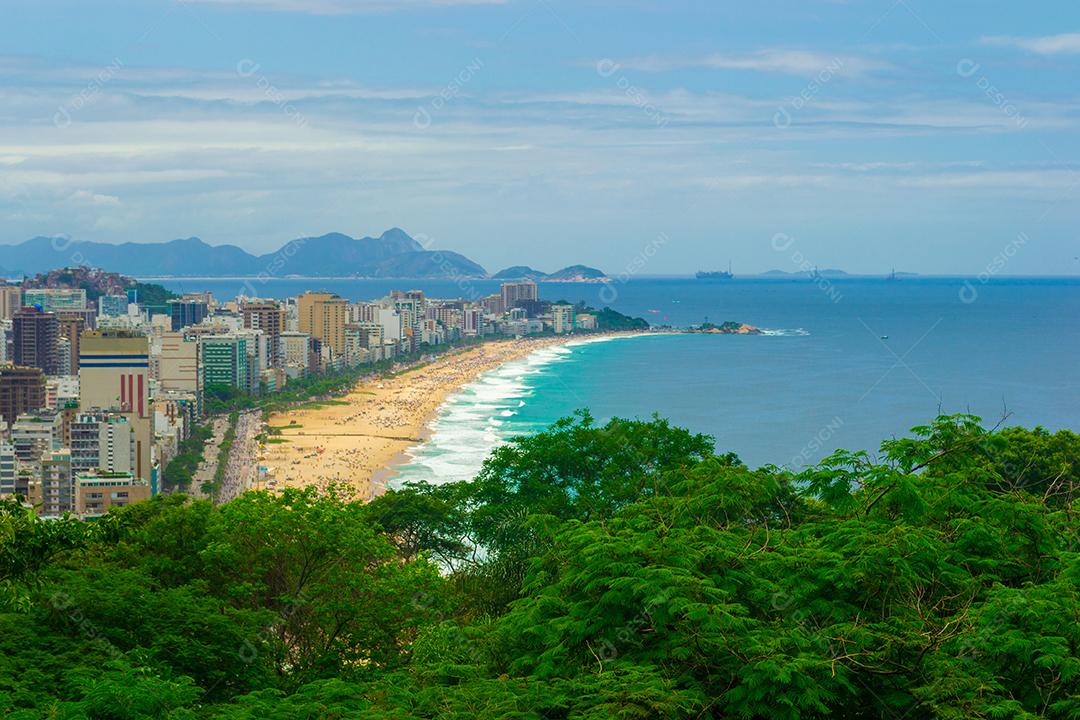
(240, 467)
(205, 472)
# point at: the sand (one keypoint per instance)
(358, 438)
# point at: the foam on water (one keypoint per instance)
(478, 418)
(782, 332)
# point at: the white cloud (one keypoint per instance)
(788, 62)
(342, 7)
(1064, 44)
(87, 197)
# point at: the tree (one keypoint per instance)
(633, 573)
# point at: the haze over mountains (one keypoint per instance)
(394, 254)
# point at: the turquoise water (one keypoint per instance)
(824, 378)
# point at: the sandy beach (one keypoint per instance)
(356, 438)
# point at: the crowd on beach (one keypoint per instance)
(381, 419)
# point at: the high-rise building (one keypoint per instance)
(472, 321)
(562, 318)
(71, 326)
(187, 311)
(8, 468)
(102, 441)
(180, 364)
(36, 433)
(10, 301)
(114, 374)
(57, 486)
(55, 299)
(493, 304)
(113, 305)
(63, 357)
(322, 316)
(33, 343)
(22, 390)
(294, 349)
(513, 292)
(270, 318)
(225, 361)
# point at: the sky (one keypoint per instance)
(638, 136)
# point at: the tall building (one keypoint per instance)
(114, 374)
(102, 441)
(35, 434)
(8, 468)
(57, 486)
(562, 318)
(270, 318)
(322, 316)
(22, 390)
(225, 361)
(472, 321)
(513, 292)
(294, 349)
(180, 364)
(10, 301)
(55, 299)
(113, 305)
(33, 343)
(187, 311)
(71, 326)
(493, 304)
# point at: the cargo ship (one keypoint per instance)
(715, 274)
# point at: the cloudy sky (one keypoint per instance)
(656, 134)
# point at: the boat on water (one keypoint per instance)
(715, 274)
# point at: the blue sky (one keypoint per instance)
(637, 136)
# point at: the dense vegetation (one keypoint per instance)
(180, 471)
(615, 571)
(608, 320)
(98, 282)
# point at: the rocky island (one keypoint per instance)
(727, 328)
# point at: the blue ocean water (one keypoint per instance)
(846, 363)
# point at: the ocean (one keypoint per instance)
(843, 362)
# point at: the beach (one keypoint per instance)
(358, 438)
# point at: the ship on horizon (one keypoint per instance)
(715, 274)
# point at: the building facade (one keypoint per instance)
(34, 339)
(114, 375)
(322, 316)
(22, 390)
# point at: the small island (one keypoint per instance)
(727, 328)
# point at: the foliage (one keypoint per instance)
(153, 296)
(180, 471)
(591, 571)
(608, 320)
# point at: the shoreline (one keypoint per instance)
(361, 438)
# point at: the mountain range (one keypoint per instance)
(394, 254)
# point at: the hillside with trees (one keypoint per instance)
(624, 570)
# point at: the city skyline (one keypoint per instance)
(898, 134)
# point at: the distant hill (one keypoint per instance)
(576, 273)
(392, 254)
(97, 283)
(428, 264)
(519, 272)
